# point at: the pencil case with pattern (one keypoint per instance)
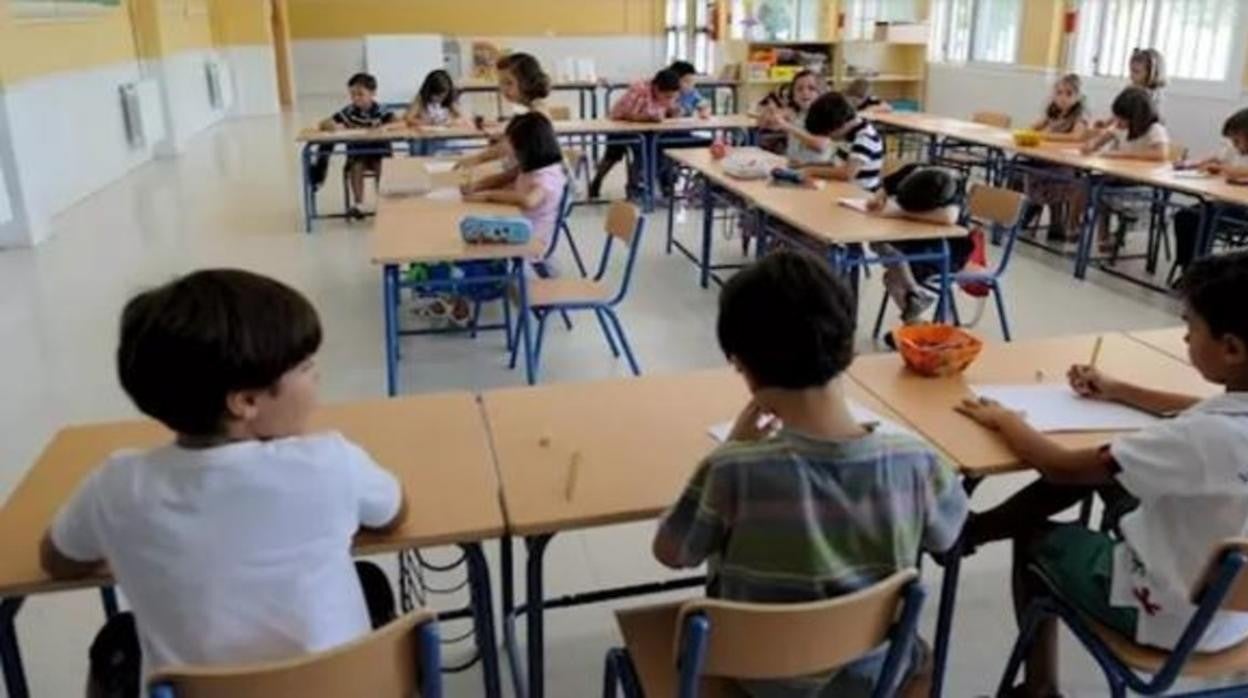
(511, 230)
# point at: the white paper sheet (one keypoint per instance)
(859, 205)
(1056, 408)
(439, 166)
(862, 415)
(1192, 174)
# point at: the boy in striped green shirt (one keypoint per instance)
(803, 503)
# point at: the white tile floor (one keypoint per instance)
(232, 199)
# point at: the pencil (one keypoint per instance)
(1096, 351)
(573, 470)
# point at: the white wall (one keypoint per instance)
(254, 73)
(63, 136)
(1193, 114)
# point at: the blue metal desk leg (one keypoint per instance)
(390, 285)
(10, 654)
(534, 614)
(108, 597)
(708, 231)
(948, 599)
(942, 305)
(1210, 212)
(1083, 256)
(522, 317)
(483, 617)
(309, 195)
(650, 149)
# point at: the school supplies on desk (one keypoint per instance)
(1054, 407)
(511, 230)
(784, 175)
(859, 205)
(862, 415)
(936, 350)
(748, 165)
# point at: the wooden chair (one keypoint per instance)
(576, 159)
(718, 642)
(1223, 586)
(992, 118)
(1001, 210)
(568, 294)
(401, 660)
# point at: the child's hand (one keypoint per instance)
(474, 197)
(987, 413)
(331, 126)
(1090, 383)
(753, 424)
(877, 202)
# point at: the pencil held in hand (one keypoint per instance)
(1096, 351)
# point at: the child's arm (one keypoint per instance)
(71, 548)
(1091, 383)
(527, 199)
(807, 139)
(489, 153)
(330, 124)
(1039, 124)
(1235, 173)
(843, 172)
(1054, 462)
(1096, 142)
(493, 182)
(1078, 134)
(1157, 152)
(58, 565)
(395, 521)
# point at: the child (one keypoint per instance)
(1184, 476)
(363, 112)
(803, 503)
(522, 83)
(1231, 164)
(690, 101)
(539, 186)
(859, 94)
(1064, 121)
(930, 194)
(1137, 134)
(1147, 72)
(232, 542)
(859, 157)
(436, 104)
(802, 148)
(643, 102)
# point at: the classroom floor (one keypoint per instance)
(232, 200)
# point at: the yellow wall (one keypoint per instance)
(1040, 43)
(166, 27)
(29, 49)
(241, 22)
(329, 19)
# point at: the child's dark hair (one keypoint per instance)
(829, 113)
(790, 90)
(364, 80)
(1136, 106)
(1236, 124)
(187, 345)
(1214, 287)
(928, 189)
(532, 81)
(665, 80)
(532, 137)
(1154, 67)
(438, 82)
(682, 68)
(1076, 110)
(788, 320)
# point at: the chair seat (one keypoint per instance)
(649, 635)
(570, 291)
(1150, 659)
(962, 158)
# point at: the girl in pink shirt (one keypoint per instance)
(539, 184)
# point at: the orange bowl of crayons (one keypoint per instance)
(937, 350)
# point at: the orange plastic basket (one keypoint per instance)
(937, 350)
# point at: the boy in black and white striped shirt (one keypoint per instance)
(362, 113)
(859, 151)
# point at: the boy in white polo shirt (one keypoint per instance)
(1187, 479)
(233, 542)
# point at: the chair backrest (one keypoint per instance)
(624, 223)
(622, 219)
(1236, 598)
(1002, 210)
(559, 112)
(992, 118)
(397, 661)
(775, 641)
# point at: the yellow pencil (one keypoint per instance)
(1096, 351)
(573, 470)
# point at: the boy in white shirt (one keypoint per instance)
(1184, 483)
(233, 542)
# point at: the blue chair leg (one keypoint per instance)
(541, 334)
(515, 342)
(879, 319)
(567, 321)
(507, 322)
(1022, 646)
(1000, 300)
(606, 332)
(619, 331)
(576, 251)
(611, 673)
(476, 319)
(953, 306)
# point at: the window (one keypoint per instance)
(688, 26)
(976, 30)
(775, 20)
(1195, 37)
(861, 16)
(60, 9)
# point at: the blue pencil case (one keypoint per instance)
(511, 230)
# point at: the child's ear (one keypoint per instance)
(745, 373)
(242, 405)
(1234, 350)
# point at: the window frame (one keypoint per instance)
(971, 31)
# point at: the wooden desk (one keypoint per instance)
(434, 445)
(927, 403)
(1171, 342)
(636, 443)
(416, 229)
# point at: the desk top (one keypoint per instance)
(1171, 341)
(814, 211)
(636, 442)
(927, 403)
(434, 444)
(420, 229)
(562, 127)
(1162, 175)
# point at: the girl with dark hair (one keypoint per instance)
(523, 83)
(802, 148)
(437, 102)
